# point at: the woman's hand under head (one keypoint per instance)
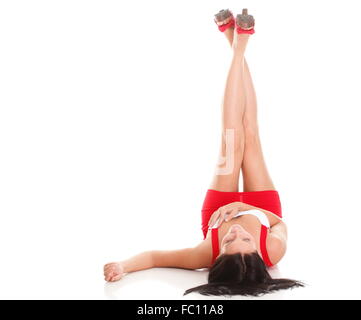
(113, 271)
(238, 240)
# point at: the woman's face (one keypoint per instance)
(237, 240)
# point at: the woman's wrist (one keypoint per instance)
(144, 260)
(125, 266)
(244, 206)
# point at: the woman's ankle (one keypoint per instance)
(229, 35)
(240, 43)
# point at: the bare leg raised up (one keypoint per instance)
(226, 177)
(254, 170)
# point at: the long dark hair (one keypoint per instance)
(237, 274)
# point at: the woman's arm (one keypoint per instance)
(189, 258)
(228, 211)
(277, 242)
(114, 271)
(273, 218)
(279, 230)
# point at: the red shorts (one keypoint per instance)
(268, 200)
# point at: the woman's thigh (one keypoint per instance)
(255, 174)
(254, 170)
(227, 172)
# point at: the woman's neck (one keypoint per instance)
(249, 222)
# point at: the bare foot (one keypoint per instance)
(113, 271)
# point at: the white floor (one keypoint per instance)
(329, 272)
(161, 284)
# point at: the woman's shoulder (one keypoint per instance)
(276, 247)
(204, 252)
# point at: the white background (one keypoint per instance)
(110, 130)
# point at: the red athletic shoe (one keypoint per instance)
(245, 23)
(223, 15)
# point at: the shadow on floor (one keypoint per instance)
(170, 283)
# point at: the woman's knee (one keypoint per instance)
(233, 139)
(250, 128)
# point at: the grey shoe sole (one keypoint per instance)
(222, 15)
(244, 20)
